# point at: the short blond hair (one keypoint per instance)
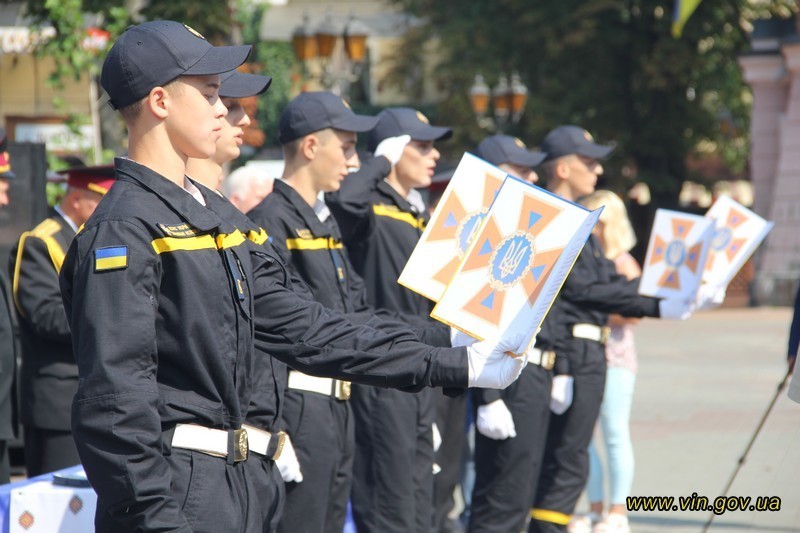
(618, 234)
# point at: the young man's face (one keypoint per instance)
(195, 112)
(232, 133)
(417, 164)
(583, 173)
(335, 156)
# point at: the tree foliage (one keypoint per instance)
(609, 65)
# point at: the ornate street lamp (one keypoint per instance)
(336, 66)
(507, 100)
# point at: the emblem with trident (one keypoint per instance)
(511, 260)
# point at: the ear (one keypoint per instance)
(309, 146)
(158, 102)
(562, 170)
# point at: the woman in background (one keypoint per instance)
(617, 239)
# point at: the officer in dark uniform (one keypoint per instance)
(592, 290)
(511, 425)
(8, 344)
(49, 375)
(381, 221)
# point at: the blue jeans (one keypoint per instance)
(615, 416)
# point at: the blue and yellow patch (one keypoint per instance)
(111, 258)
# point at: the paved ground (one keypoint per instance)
(703, 387)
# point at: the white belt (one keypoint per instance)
(591, 332)
(546, 359)
(260, 440)
(327, 386)
(211, 441)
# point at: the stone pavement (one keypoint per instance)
(703, 386)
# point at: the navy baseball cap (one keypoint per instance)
(500, 149)
(238, 85)
(566, 140)
(154, 53)
(318, 110)
(5, 160)
(396, 121)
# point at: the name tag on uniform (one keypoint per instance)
(111, 258)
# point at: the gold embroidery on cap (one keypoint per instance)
(194, 31)
(423, 118)
(519, 143)
(588, 136)
(346, 104)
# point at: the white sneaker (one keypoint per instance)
(583, 523)
(613, 523)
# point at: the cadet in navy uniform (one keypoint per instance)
(592, 290)
(511, 425)
(166, 297)
(318, 133)
(8, 344)
(381, 221)
(49, 375)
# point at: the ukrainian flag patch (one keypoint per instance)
(111, 258)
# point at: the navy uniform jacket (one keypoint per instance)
(314, 252)
(157, 295)
(592, 291)
(380, 230)
(49, 376)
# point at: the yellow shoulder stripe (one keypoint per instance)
(44, 231)
(408, 218)
(199, 242)
(258, 237)
(554, 517)
(320, 243)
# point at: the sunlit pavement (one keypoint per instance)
(702, 388)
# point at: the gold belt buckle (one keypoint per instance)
(281, 443)
(548, 359)
(241, 446)
(605, 334)
(342, 389)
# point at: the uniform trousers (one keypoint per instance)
(565, 467)
(213, 495)
(268, 485)
(393, 467)
(451, 420)
(506, 470)
(321, 429)
(48, 450)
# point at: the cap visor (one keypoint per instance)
(239, 85)
(432, 133)
(596, 151)
(526, 158)
(356, 123)
(219, 59)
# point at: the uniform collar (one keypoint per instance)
(171, 194)
(305, 211)
(60, 213)
(399, 201)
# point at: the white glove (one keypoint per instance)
(288, 465)
(392, 148)
(458, 338)
(490, 367)
(495, 421)
(437, 438)
(675, 308)
(709, 297)
(561, 393)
